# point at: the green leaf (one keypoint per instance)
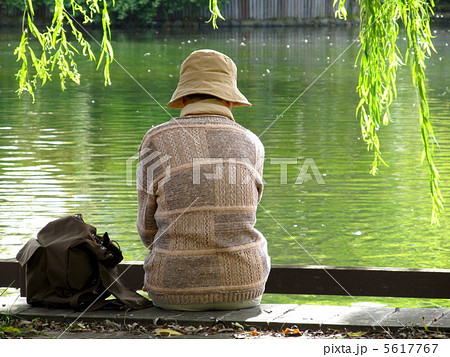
(379, 58)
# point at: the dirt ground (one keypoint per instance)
(14, 328)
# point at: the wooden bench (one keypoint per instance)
(303, 279)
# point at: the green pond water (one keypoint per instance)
(72, 152)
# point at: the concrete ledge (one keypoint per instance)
(276, 316)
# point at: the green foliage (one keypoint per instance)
(379, 58)
(124, 11)
(56, 51)
(215, 13)
(144, 10)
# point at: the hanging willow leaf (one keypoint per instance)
(215, 13)
(56, 52)
(379, 58)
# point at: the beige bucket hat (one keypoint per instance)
(208, 72)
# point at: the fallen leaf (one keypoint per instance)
(356, 334)
(237, 325)
(10, 329)
(291, 332)
(240, 336)
(167, 332)
(225, 330)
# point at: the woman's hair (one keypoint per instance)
(195, 97)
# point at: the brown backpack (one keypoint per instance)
(70, 265)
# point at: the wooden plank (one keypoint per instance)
(132, 274)
(10, 274)
(398, 282)
(245, 12)
(310, 279)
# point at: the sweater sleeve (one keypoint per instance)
(146, 224)
(259, 166)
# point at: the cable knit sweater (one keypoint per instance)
(199, 183)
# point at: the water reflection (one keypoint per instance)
(67, 153)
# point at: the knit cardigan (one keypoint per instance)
(199, 182)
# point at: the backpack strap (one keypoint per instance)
(85, 297)
(115, 286)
